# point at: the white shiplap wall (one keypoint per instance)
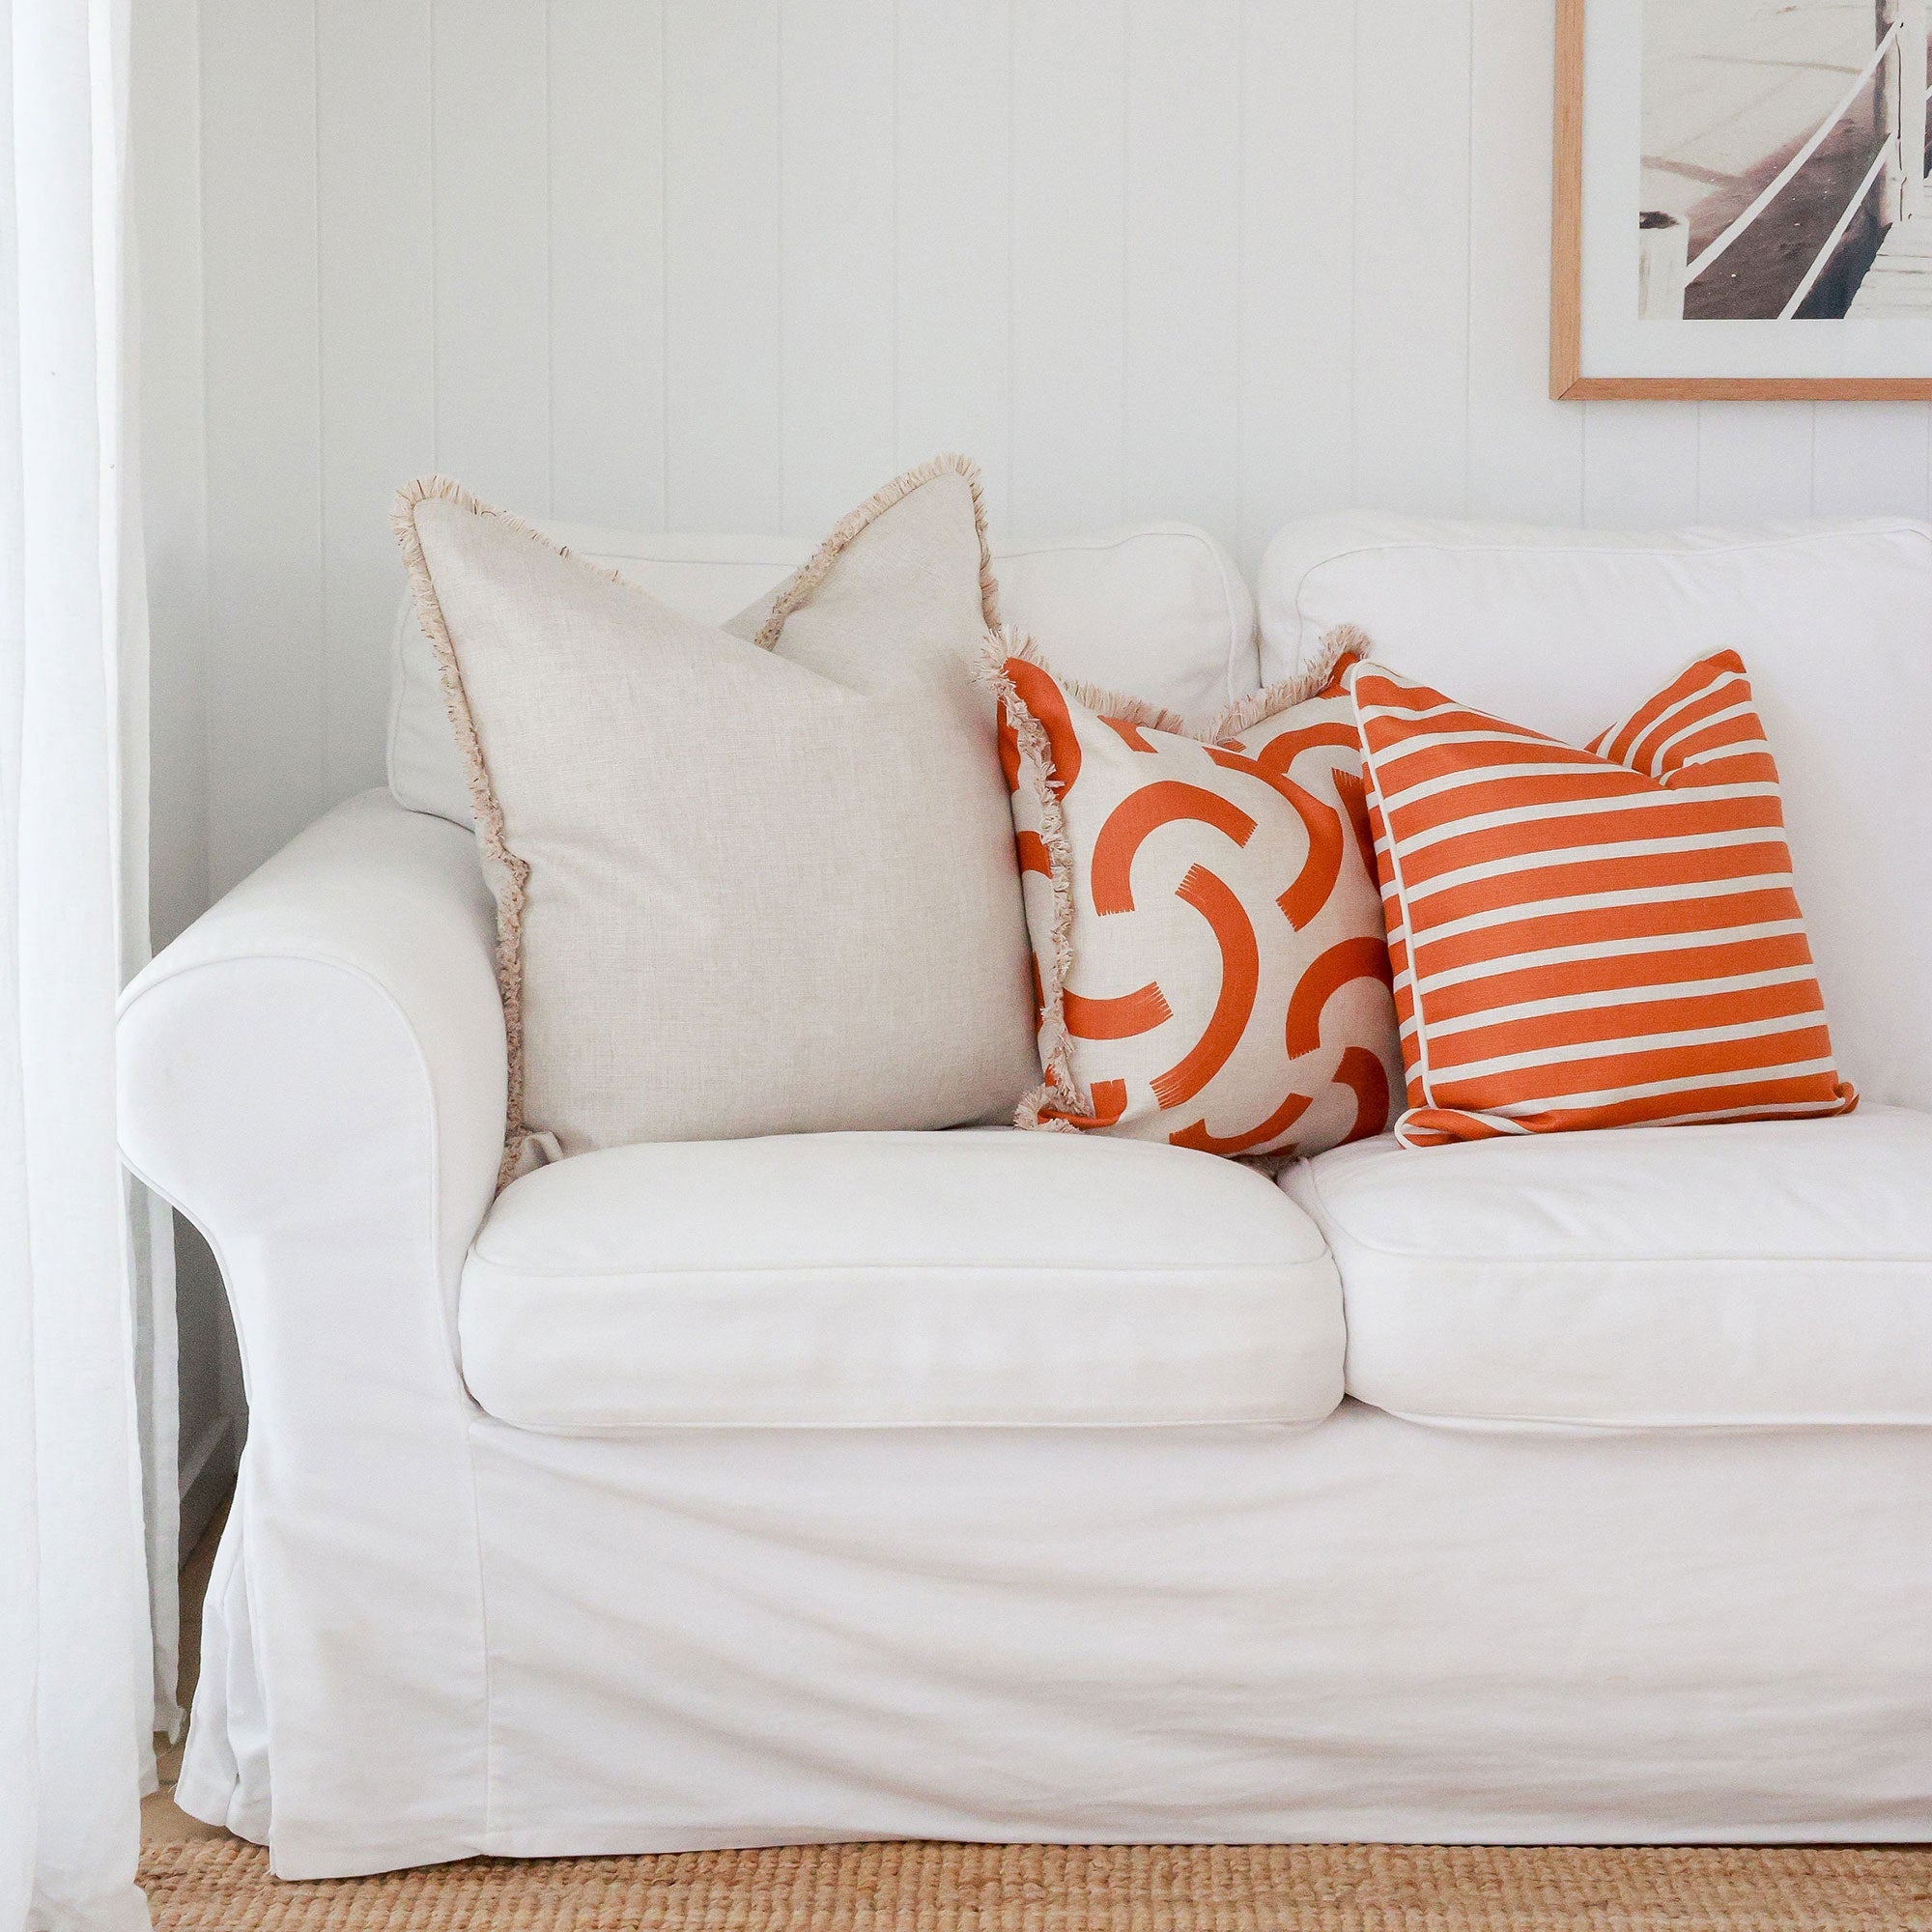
(728, 263)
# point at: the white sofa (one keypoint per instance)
(992, 1486)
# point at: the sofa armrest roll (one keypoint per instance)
(314, 1073)
(333, 1021)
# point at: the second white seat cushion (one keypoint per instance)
(1770, 1273)
(975, 1277)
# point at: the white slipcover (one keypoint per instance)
(1762, 1271)
(1158, 610)
(1567, 630)
(433, 1633)
(828, 1281)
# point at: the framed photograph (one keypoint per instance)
(1742, 206)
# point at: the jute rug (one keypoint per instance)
(224, 1885)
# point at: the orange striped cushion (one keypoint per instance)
(1595, 938)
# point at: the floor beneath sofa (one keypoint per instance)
(202, 1879)
(162, 1821)
(225, 1886)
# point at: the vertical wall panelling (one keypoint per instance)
(1184, 262)
(953, 234)
(265, 674)
(491, 132)
(607, 293)
(1297, 453)
(1639, 465)
(1525, 453)
(1869, 459)
(835, 117)
(1069, 211)
(164, 181)
(165, 187)
(723, 269)
(376, 351)
(1753, 461)
(1412, 254)
(672, 263)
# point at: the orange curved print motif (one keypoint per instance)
(1354, 791)
(1362, 958)
(1118, 1017)
(1043, 697)
(1236, 926)
(1240, 977)
(1366, 1077)
(1110, 1102)
(1008, 743)
(1316, 880)
(1128, 733)
(1284, 747)
(1144, 811)
(1267, 1135)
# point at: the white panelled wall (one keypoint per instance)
(728, 263)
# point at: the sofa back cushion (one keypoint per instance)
(1555, 628)
(1158, 609)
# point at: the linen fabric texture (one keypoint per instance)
(750, 880)
(1160, 608)
(1207, 943)
(1593, 937)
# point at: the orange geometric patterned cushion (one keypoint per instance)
(1596, 938)
(1206, 935)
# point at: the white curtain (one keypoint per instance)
(77, 1675)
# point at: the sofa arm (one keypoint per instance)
(337, 1011)
(315, 1074)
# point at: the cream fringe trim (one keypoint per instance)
(1056, 1047)
(1329, 651)
(798, 589)
(512, 896)
(1058, 1089)
(513, 871)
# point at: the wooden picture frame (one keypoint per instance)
(1903, 195)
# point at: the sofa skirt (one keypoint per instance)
(1365, 1630)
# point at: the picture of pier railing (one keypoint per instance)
(1783, 172)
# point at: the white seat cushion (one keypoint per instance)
(1763, 1272)
(980, 1276)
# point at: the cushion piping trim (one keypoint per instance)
(1333, 1227)
(1674, 1422)
(1163, 1271)
(1262, 1417)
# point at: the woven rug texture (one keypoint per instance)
(224, 1886)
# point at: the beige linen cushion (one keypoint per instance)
(750, 880)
